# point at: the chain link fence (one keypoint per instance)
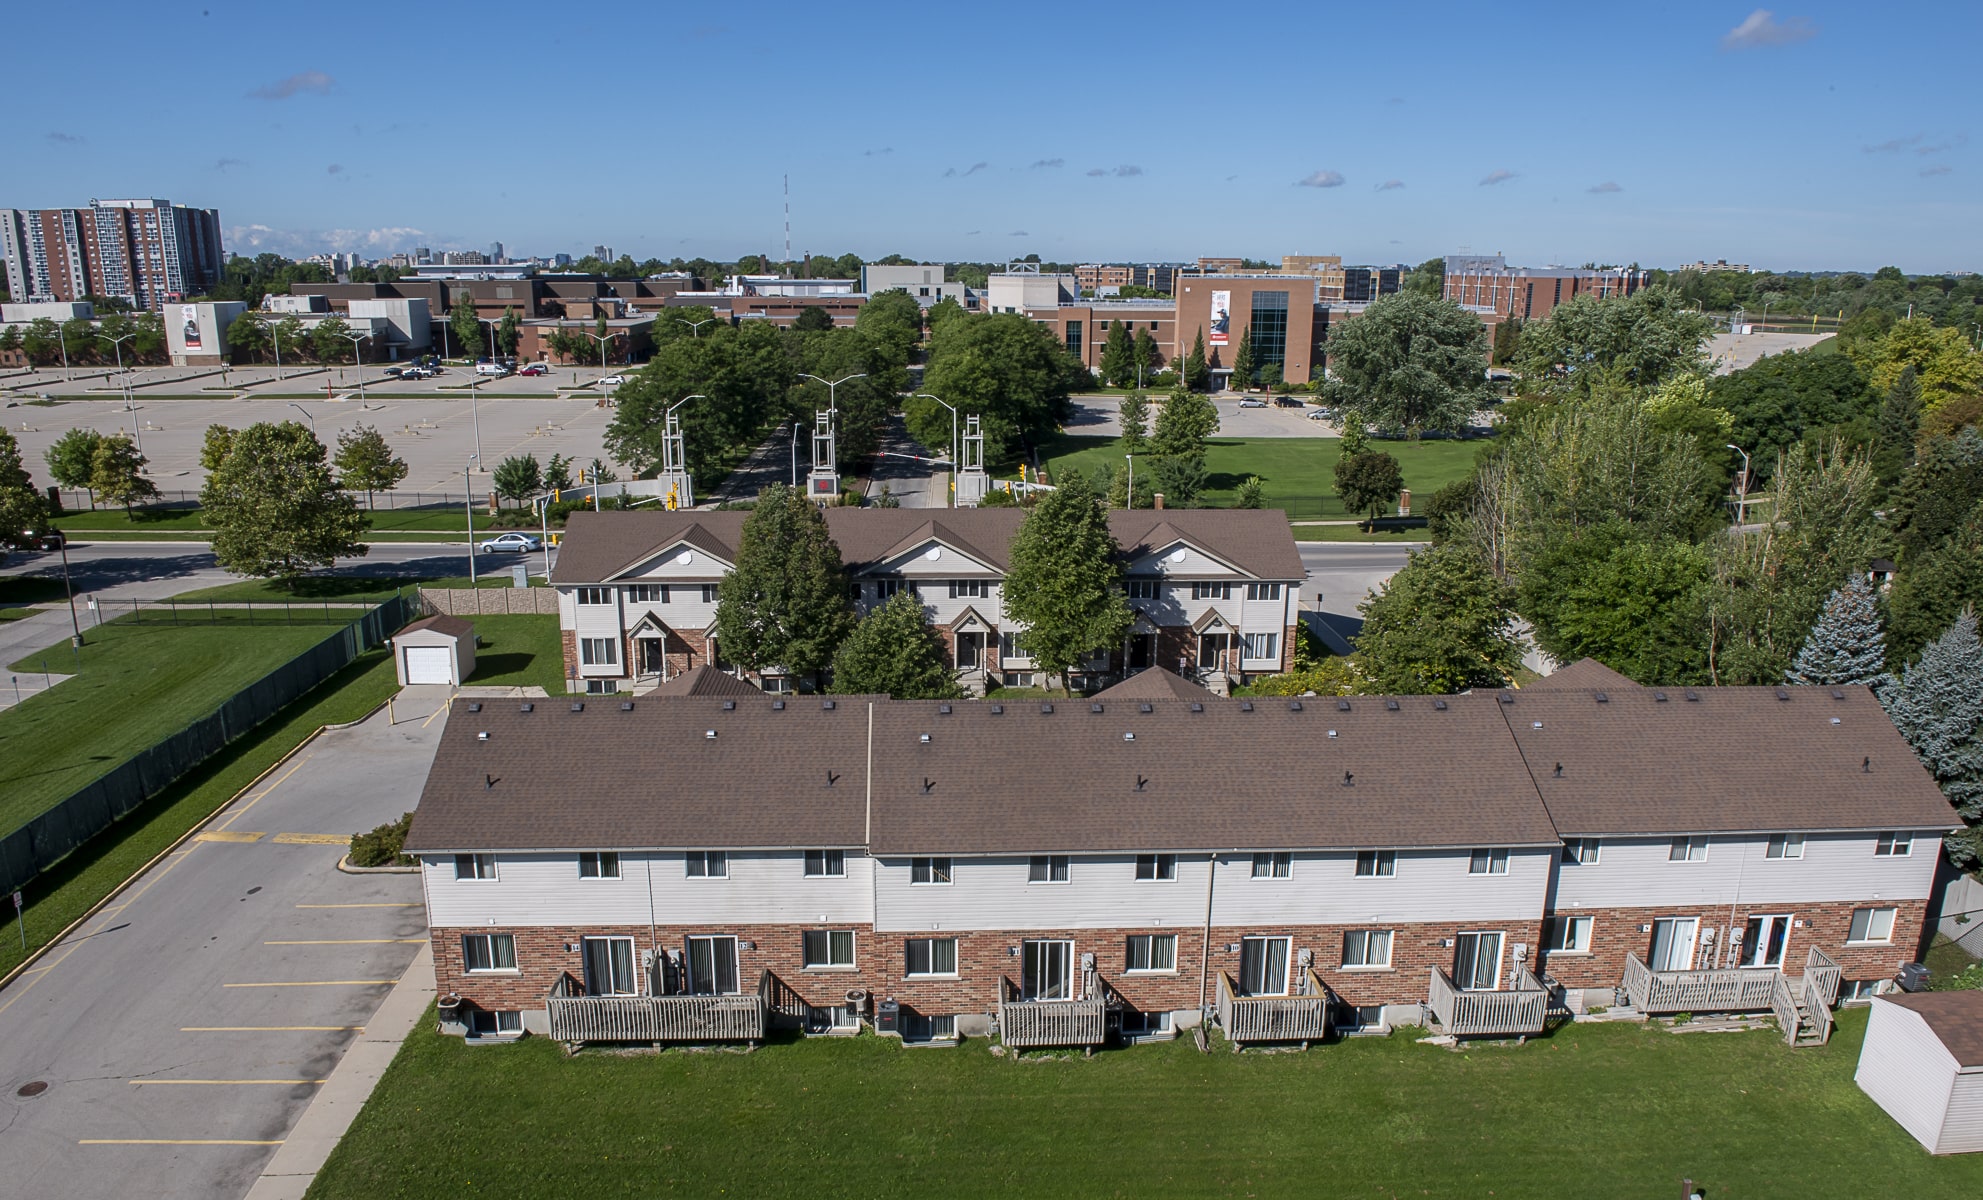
(75, 500)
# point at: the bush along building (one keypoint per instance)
(701, 866)
(1215, 591)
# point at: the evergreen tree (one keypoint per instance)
(557, 473)
(786, 603)
(1118, 489)
(1900, 421)
(1065, 582)
(1847, 645)
(275, 509)
(1242, 361)
(894, 652)
(1145, 355)
(1197, 375)
(1135, 410)
(1442, 624)
(1937, 704)
(1179, 478)
(365, 460)
(1119, 356)
(1251, 492)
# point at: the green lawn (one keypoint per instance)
(519, 650)
(160, 520)
(1355, 533)
(67, 890)
(1297, 473)
(135, 683)
(347, 587)
(1612, 1110)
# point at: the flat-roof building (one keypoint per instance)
(145, 252)
(1487, 281)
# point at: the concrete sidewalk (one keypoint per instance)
(303, 1153)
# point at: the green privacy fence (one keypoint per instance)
(38, 844)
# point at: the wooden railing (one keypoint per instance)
(1818, 1006)
(579, 1018)
(1736, 989)
(779, 998)
(1026, 1023)
(1303, 1018)
(1819, 968)
(1522, 1009)
(1783, 1002)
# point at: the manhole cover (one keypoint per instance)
(32, 1089)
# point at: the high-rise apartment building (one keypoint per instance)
(145, 252)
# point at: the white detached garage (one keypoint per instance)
(435, 649)
(1923, 1063)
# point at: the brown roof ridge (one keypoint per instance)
(1586, 672)
(1155, 683)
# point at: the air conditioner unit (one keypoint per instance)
(857, 1000)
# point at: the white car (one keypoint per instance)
(612, 381)
(1321, 414)
(1252, 402)
(512, 543)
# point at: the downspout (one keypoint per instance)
(657, 971)
(1205, 948)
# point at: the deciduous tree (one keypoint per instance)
(1410, 363)
(328, 342)
(1442, 624)
(1184, 423)
(274, 506)
(71, 460)
(1369, 483)
(22, 508)
(1641, 340)
(1065, 582)
(894, 652)
(365, 460)
(1009, 371)
(785, 604)
(464, 322)
(1134, 413)
(518, 477)
(1119, 356)
(117, 473)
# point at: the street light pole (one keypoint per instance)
(695, 327)
(832, 392)
(953, 443)
(124, 381)
(74, 624)
(358, 361)
(1741, 493)
(603, 343)
(469, 487)
(1129, 495)
(306, 416)
(275, 335)
(795, 452)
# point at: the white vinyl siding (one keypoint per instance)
(997, 893)
(1907, 1071)
(1835, 868)
(540, 891)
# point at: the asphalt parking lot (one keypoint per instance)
(1097, 416)
(178, 1036)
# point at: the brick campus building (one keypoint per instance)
(691, 868)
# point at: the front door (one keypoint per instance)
(652, 650)
(1477, 962)
(970, 650)
(1763, 939)
(609, 967)
(1142, 651)
(1047, 972)
(1673, 943)
(1212, 650)
(713, 966)
(1263, 966)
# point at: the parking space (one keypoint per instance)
(177, 1036)
(1097, 416)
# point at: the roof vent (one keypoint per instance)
(1349, 779)
(709, 734)
(729, 706)
(626, 706)
(1692, 695)
(526, 707)
(1046, 708)
(1866, 765)
(1439, 705)
(1332, 733)
(998, 710)
(928, 783)
(1391, 705)
(924, 738)
(474, 707)
(482, 736)
(777, 706)
(1141, 783)
(1836, 695)
(1342, 706)
(1559, 770)
(1128, 736)
(1197, 707)
(1095, 707)
(1145, 708)
(1660, 697)
(1835, 720)
(1783, 693)
(943, 709)
(1535, 724)
(1246, 706)
(826, 706)
(578, 706)
(1294, 706)
(1600, 697)
(1507, 697)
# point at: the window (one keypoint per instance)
(1569, 935)
(1488, 862)
(648, 593)
(712, 966)
(1074, 338)
(930, 956)
(494, 1024)
(916, 1027)
(929, 870)
(474, 866)
(1143, 1024)
(1046, 970)
(599, 652)
(1687, 850)
(1277, 865)
(709, 591)
(1156, 867)
(970, 589)
(1013, 645)
(1211, 591)
(1263, 645)
(1269, 327)
(488, 952)
(602, 864)
(1263, 966)
(1144, 589)
(1871, 925)
(708, 864)
(609, 969)
(885, 588)
(600, 687)
(1263, 591)
(1152, 952)
(1047, 868)
(826, 864)
(1375, 864)
(1894, 845)
(1367, 948)
(829, 949)
(1785, 845)
(1580, 852)
(595, 595)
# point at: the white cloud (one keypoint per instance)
(65, 139)
(1892, 145)
(1494, 177)
(1390, 185)
(297, 242)
(302, 81)
(1049, 162)
(1761, 28)
(1938, 169)
(1097, 171)
(1126, 170)
(1603, 189)
(1321, 179)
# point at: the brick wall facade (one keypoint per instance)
(1616, 932)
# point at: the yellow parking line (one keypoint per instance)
(256, 798)
(226, 835)
(172, 1142)
(355, 942)
(393, 904)
(315, 983)
(311, 839)
(437, 712)
(271, 1029)
(224, 1082)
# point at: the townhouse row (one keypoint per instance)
(638, 590)
(1154, 855)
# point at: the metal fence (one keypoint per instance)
(74, 500)
(42, 841)
(171, 611)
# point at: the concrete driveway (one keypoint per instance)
(180, 1033)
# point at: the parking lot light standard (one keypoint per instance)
(469, 503)
(306, 416)
(953, 444)
(358, 362)
(74, 624)
(123, 380)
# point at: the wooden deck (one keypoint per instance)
(1518, 1011)
(1256, 1019)
(576, 1019)
(1028, 1024)
(1734, 989)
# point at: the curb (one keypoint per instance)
(344, 865)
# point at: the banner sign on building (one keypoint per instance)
(1221, 318)
(190, 314)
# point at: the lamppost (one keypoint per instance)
(491, 323)
(62, 339)
(1129, 495)
(306, 416)
(604, 340)
(124, 381)
(468, 487)
(358, 361)
(832, 394)
(1742, 491)
(695, 327)
(795, 452)
(74, 624)
(953, 444)
(275, 335)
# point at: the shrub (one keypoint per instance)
(382, 846)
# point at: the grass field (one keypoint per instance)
(518, 650)
(1613, 1110)
(1297, 474)
(134, 684)
(67, 890)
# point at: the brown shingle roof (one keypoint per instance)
(1955, 1017)
(598, 546)
(705, 680)
(1584, 673)
(1655, 761)
(440, 623)
(1156, 684)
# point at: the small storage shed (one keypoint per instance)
(435, 649)
(1923, 1063)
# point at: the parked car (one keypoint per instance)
(413, 373)
(1321, 414)
(491, 368)
(51, 539)
(612, 381)
(396, 372)
(512, 543)
(535, 369)
(1286, 402)
(1252, 402)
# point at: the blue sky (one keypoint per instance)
(1808, 136)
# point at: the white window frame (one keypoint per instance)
(1578, 930)
(706, 864)
(1870, 925)
(1269, 645)
(1783, 846)
(1488, 860)
(1149, 943)
(1687, 849)
(832, 864)
(970, 589)
(936, 869)
(929, 958)
(1143, 589)
(1048, 869)
(489, 942)
(1582, 852)
(1156, 868)
(1287, 966)
(1365, 941)
(1211, 591)
(499, 1023)
(709, 592)
(1894, 845)
(1263, 591)
(647, 593)
(593, 597)
(1279, 864)
(481, 868)
(1383, 864)
(600, 862)
(833, 941)
(599, 651)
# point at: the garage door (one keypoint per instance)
(429, 664)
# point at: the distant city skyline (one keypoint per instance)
(1795, 138)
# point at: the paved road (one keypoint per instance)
(1340, 575)
(778, 459)
(179, 1031)
(906, 468)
